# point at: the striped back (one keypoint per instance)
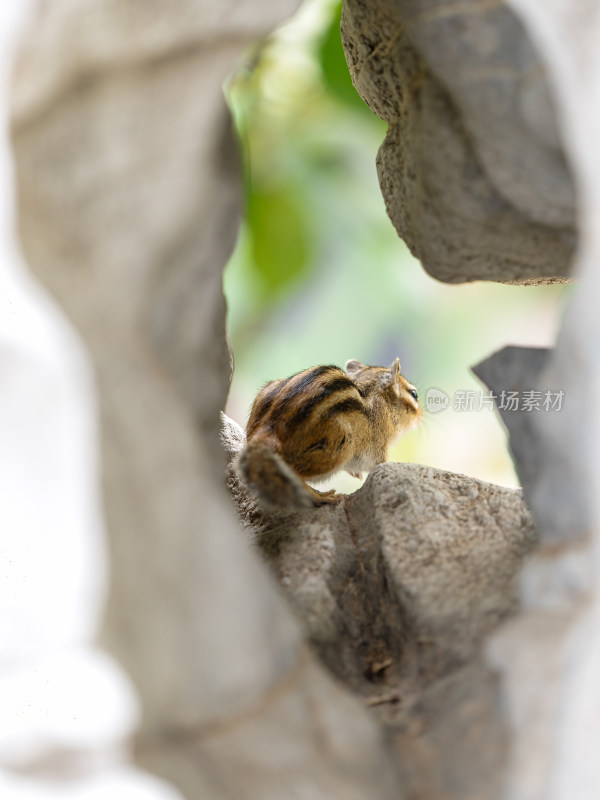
(318, 392)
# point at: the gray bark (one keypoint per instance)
(458, 674)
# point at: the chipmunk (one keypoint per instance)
(320, 421)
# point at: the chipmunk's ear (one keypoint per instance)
(395, 370)
(353, 367)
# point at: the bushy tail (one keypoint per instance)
(273, 481)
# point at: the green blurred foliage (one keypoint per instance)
(336, 76)
(319, 274)
(279, 234)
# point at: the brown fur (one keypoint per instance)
(320, 421)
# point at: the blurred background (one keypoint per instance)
(319, 274)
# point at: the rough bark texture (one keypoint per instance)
(472, 169)
(549, 655)
(129, 202)
(397, 588)
(128, 206)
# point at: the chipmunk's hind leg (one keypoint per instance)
(320, 455)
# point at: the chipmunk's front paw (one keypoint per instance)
(327, 498)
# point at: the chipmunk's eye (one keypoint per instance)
(413, 393)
